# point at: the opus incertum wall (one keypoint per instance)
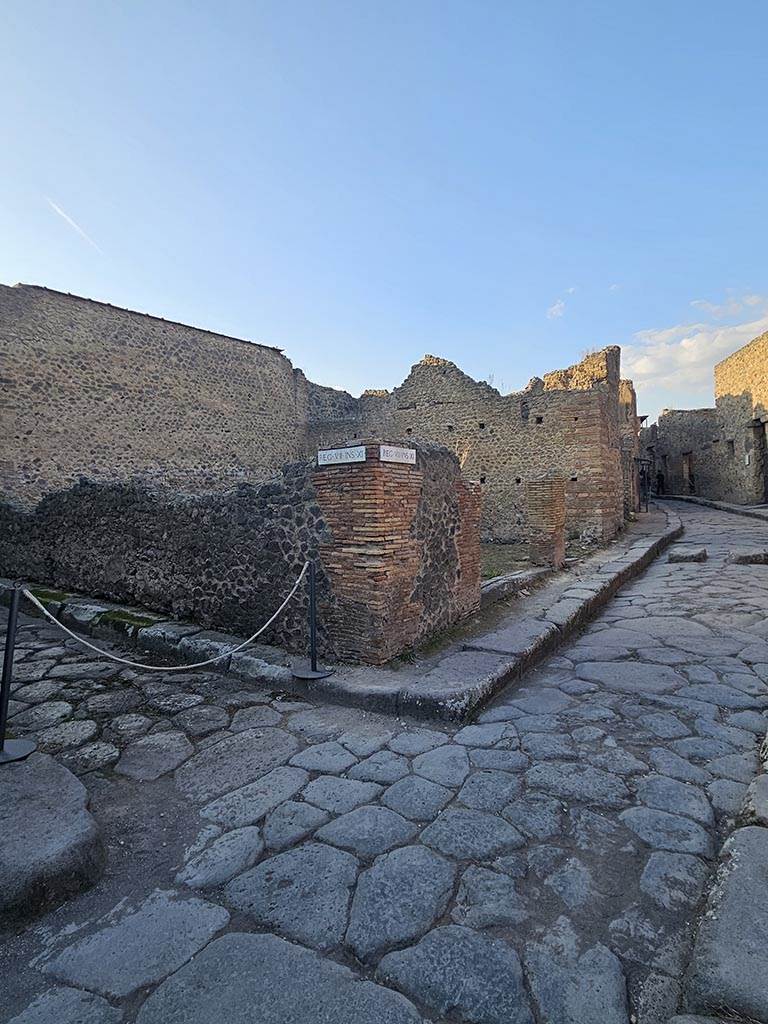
(396, 538)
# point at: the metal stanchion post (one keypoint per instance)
(313, 672)
(11, 750)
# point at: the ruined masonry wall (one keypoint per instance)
(397, 548)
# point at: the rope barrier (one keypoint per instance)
(166, 668)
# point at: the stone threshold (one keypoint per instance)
(722, 506)
(451, 685)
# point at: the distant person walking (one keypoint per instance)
(659, 482)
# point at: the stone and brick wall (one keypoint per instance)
(722, 452)
(567, 423)
(98, 391)
(546, 514)
(397, 548)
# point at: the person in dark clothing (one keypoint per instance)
(659, 482)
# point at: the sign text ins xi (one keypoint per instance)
(339, 456)
(390, 453)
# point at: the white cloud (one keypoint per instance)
(732, 307)
(613, 287)
(556, 310)
(72, 223)
(572, 290)
(683, 357)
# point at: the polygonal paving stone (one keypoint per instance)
(481, 735)
(324, 757)
(618, 762)
(366, 739)
(417, 741)
(66, 735)
(667, 762)
(384, 767)
(455, 970)
(490, 790)
(753, 721)
(340, 795)
(487, 899)
(139, 946)
(62, 1005)
(573, 987)
(226, 857)
(573, 883)
(290, 822)
(201, 721)
(471, 835)
(577, 782)
(721, 695)
(173, 703)
(541, 746)
(368, 831)
(632, 677)
(701, 748)
(664, 831)
(303, 893)
(727, 796)
(152, 756)
(499, 760)
(254, 718)
(676, 797)
(736, 767)
(417, 798)
(113, 702)
(674, 880)
(35, 693)
(536, 815)
(129, 727)
(247, 805)
(261, 979)
(90, 758)
(42, 716)
(234, 762)
(544, 701)
(665, 725)
(741, 739)
(447, 766)
(397, 900)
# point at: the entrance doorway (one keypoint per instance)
(688, 481)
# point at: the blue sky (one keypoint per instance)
(506, 184)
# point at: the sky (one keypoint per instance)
(505, 184)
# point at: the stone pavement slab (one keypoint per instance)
(227, 856)
(139, 946)
(50, 844)
(234, 762)
(249, 804)
(68, 1006)
(261, 979)
(729, 966)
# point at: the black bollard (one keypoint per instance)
(313, 672)
(11, 750)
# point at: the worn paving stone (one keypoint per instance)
(416, 798)
(417, 741)
(254, 718)
(263, 978)
(541, 746)
(701, 748)
(618, 762)
(499, 760)
(340, 795)
(90, 757)
(324, 757)
(62, 1005)
(152, 756)
(753, 721)
(42, 716)
(487, 899)
(249, 804)
(536, 815)
(234, 762)
(740, 739)
(66, 735)
(130, 726)
(202, 720)
(113, 702)
(140, 946)
(380, 918)
(632, 677)
(577, 782)
(366, 738)
(447, 766)
(490, 790)
(664, 725)
(290, 822)
(173, 703)
(730, 958)
(674, 880)
(471, 835)
(755, 810)
(664, 831)
(36, 693)
(544, 701)
(667, 762)
(676, 797)
(226, 857)
(573, 883)
(51, 845)
(573, 987)
(726, 796)
(455, 970)
(736, 767)
(384, 767)
(480, 735)
(368, 831)
(302, 893)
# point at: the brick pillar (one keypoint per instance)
(402, 555)
(546, 520)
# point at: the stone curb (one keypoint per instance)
(729, 962)
(721, 506)
(461, 682)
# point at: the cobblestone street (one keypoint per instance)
(283, 862)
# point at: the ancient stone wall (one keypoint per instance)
(546, 516)
(98, 391)
(719, 453)
(567, 423)
(397, 548)
(629, 432)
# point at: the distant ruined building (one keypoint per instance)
(96, 391)
(719, 453)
